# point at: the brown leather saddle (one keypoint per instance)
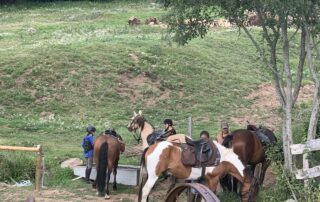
(200, 153)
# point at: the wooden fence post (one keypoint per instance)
(38, 178)
(190, 126)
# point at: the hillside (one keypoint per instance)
(65, 65)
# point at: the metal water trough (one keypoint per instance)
(127, 174)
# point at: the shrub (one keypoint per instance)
(17, 166)
(287, 186)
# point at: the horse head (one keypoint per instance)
(137, 122)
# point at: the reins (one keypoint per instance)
(138, 139)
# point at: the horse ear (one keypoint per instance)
(140, 112)
(134, 113)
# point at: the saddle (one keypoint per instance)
(199, 153)
(155, 136)
(264, 139)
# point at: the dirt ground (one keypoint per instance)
(11, 193)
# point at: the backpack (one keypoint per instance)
(87, 145)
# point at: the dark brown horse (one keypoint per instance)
(250, 144)
(107, 149)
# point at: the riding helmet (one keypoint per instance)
(91, 129)
(224, 125)
(168, 121)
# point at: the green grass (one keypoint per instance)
(74, 61)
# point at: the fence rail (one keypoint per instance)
(298, 149)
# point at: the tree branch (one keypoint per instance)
(302, 58)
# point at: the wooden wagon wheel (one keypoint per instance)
(201, 190)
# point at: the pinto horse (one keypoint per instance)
(107, 149)
(166, 156)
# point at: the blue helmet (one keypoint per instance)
(91, 129)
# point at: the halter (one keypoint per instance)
(140, 125)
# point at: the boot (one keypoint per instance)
(87, 178)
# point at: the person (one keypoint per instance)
(168, 128)
(87, 145)
(204, 135)
(224, 132)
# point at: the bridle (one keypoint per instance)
(140, 124)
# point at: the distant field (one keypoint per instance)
(65, 65)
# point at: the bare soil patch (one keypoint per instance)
(265, 107)
(141, 88)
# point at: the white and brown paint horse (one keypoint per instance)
(166, 156)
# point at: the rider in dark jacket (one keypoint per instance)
(169, 130)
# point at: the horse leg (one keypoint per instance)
(115, 178)
(107, 196)
(265, 165)
(173, 181)
(148, 186)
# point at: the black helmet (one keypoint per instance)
(168, 121)
(91, 129)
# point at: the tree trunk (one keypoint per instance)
(287, 128)
(287, 138)
(315, 105)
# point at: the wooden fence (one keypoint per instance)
(38, 150)
(298, 149)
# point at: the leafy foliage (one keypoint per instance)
(287, 186)
(16, 166)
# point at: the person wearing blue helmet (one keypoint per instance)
(87, 145)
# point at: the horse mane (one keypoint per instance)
(141, 121)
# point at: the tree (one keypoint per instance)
(188, 19)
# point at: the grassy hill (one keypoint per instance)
(65, 65)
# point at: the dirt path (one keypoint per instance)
(16, 194)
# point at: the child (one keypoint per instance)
(204, 135)
(87, 145)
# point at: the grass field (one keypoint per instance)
(68, 64)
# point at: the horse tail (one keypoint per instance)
(102, 167)
(142, 160)
(143, 174)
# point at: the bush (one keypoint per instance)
(287, 186)
(17, 166)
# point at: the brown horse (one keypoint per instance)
(107, 149)
(166, 156)
(250, 145)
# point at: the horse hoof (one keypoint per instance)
(115, 188)
(106, 196)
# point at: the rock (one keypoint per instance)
(70, 163)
